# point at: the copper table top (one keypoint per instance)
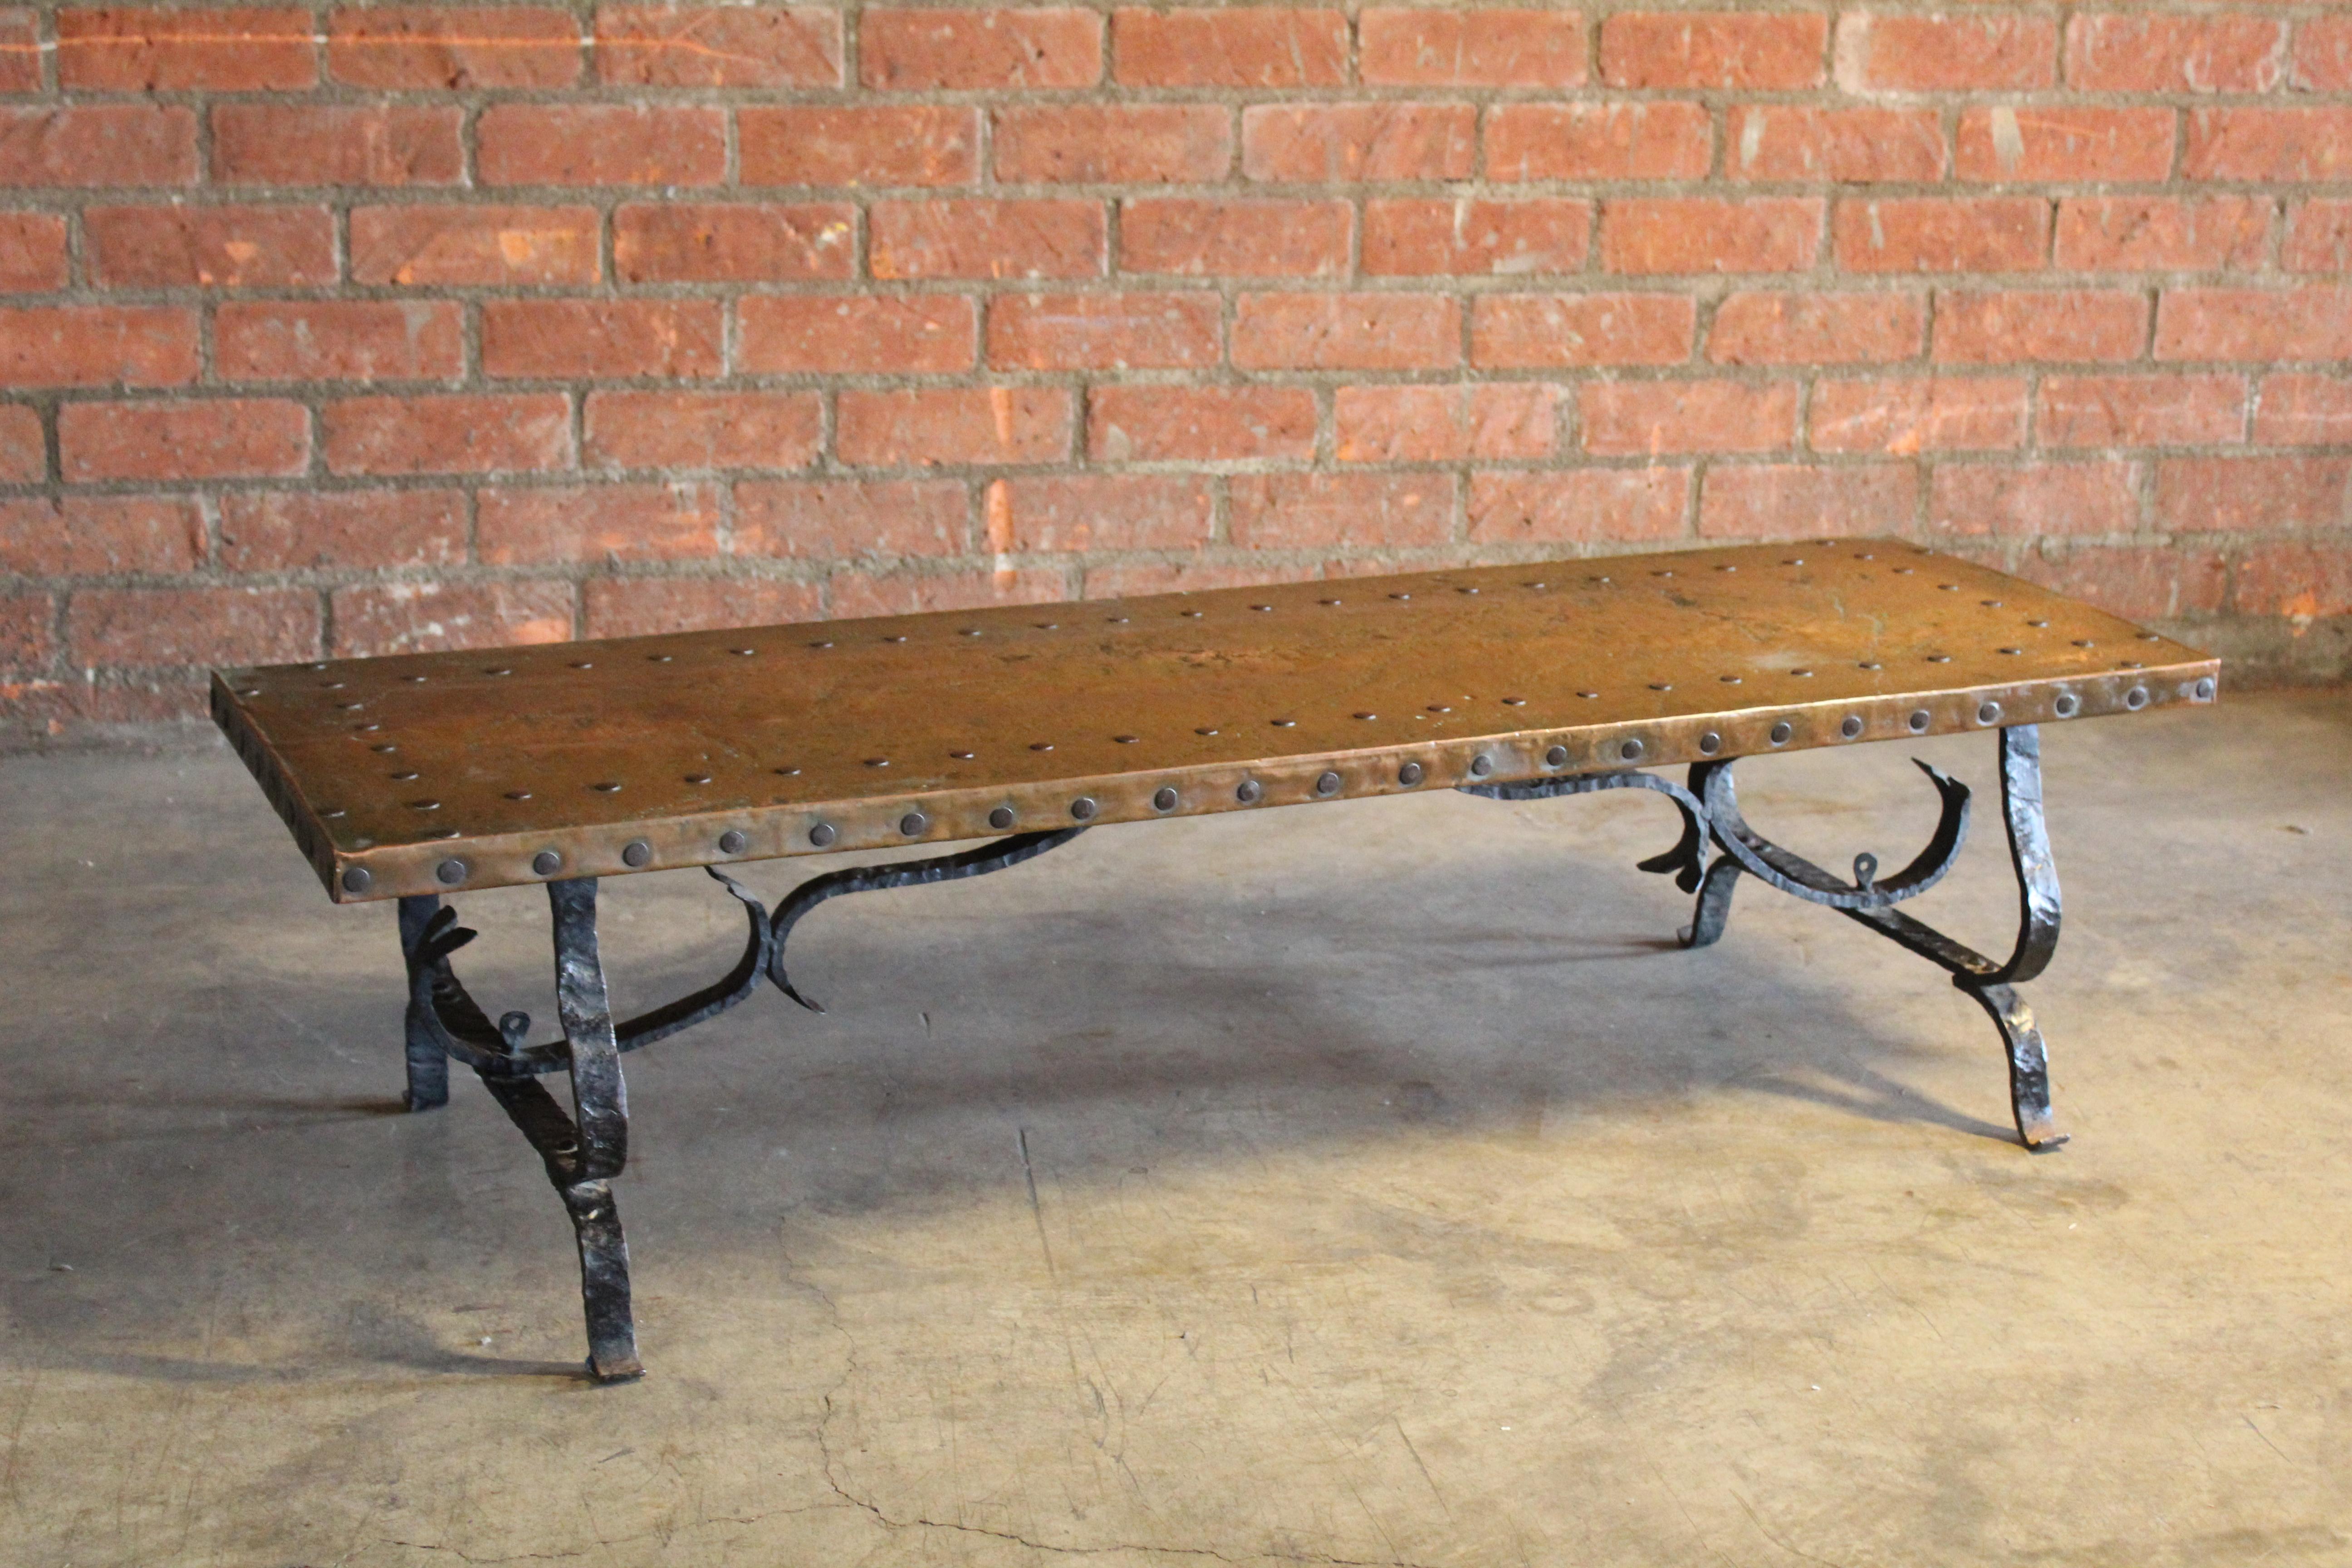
(430, 772)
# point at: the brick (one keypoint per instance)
(221, 438)
(986, 239)
(98, 144)
(2163, 234)
(1525, 332)
(1841, 146)
(862, 146)
(894, 335)
(1235, 239)
(1130, 143)
(2141, 410)
(2064, 142)
(2318, 236)
(340, 339)
(904, 594)
(1444, 424)
(2175, 54)
(1098, 511)
(718, 46)
(959, 425)
(429, 246)
(93, 536)
(2302, 582)
(846, 519)
(596, 523)
(1925, 413)
(2269, 325)
(97, 345)
(1579, 505)
(1810, 327)
(675, 430)
(1099, 331)
(1940, 53)
(296, 530)
(1341, 512)
(32, 252)
(1034, 46)
(1428, 47)
(1659, 140)
(1638, 418)
(1691, 234)
(208, 246)
(2016, 327)
(613, 338)
(1333, 143)
(600, 144)
(2138, 582)
(1474, 238)
(2268, 144)
(2323, 55)
(24, 456)
(453, 49)
(2036, 500)
(1346, 331)
(646, 607)
(1745, 50)
(466, 434)
(1199, 424)
(20, 55)
(336, 144)
(1791, 500)
(1931, 234)
(768, 242)
(2303, 411)
(26, 643)
(433, 618)
(2252, 495)
(231, 48)
(1239, 46)
(159, 628)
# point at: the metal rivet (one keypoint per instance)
(1802, 674)
(1481, 766)
(1165, 800)
(1327, 784)
(748, 652)
(2009, 650)
(2085, 642)
(2205, 689)
(786, 773)
(697, 778)
(1851, 726)
(822, 642)
(1206, 730)
(2066, 705)
(1127, 740)
(606, 788)
(877, 762)
(1556, 757)
(2135, 698)
(547, 863)
(1709, 743)
(1780, 734)
(1001, 819)
(1630, 750)
(248, 691)
(733, 842)
(1249, 790)
(448, 833)
(1515, 701)
(823, 833)
(1283, 724)
(1988, 712)
(1411, 773)
(383, 748)
(501, 669)
(517, 795)
(401, 777)
(357, 881)
(1588, 696)
(1041, 745)
(2151, 637)
(450, 872)
(1728, 680)
(636, 853)
(423, 805)
(1260, 606)
(1940, 658)
(1367, 715)
(583, 664)
(913, 823)
(1084, 808)
(1870, 664)
(657, 659)
(331, 812)
(1919, 721)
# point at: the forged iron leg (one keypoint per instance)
(428, 1060)
(2029, 1065)
(1714, 905)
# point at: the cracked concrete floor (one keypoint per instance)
(1364, 1184)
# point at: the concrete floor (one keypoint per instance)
(1369, 1184)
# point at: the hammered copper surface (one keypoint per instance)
(470, 770)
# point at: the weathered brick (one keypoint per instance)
(1655, 139)
(98, 144)
(92, 536)
(221, 438)
(335, 144)
(434, 246)
(2302, 581)
(2066, 142)
(2138, 582)
(23, 454)
(229, 49)
(2252, 495)
(1346, 331)
(1098, 331)
(2018, 326)
(97, 345)
(453, 49)
(644, 607)
(596, 523)
(1701, 234)
(976, 424)
(1525, 332)
(208, 246)
(1464, 237)
(32, 252)
(1933, 234)
(2141, 410)
(1239, 46)
(1638, 418)
(1810, 327)
(769, 242)
(1924, 413)
(310, 529)
(600, 144)
(2303, 411)
(1098, 511)
(2041, 498)
(1235, 239)
(909, 50)
(614, 338)
(1578, 505)
(858, 144)
(908, 593)
(2112, 53)
(1745, 50)
(1341, 512)
(718, 46)
(174, 627)
(1793, 501)
(433, 617)
(1129, 143)
(986, 240)
(2269, 325)
(2162, 234)
(1199, 424)
(459, 433)
(848, 519)
(2322, 54)
(26, 641)
(673, 430)
(1444, 424)
(20, 56)
(2318, 236)
(1333, 143)
(1842, 146)
(896, 334)
(1967, 52)
(1430, 47)
(339, 339)
(2269, 144)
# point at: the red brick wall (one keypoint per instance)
(395, 327)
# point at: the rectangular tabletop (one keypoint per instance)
(430, 771)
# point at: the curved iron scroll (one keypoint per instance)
(1687, 859)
